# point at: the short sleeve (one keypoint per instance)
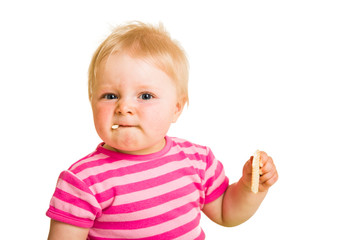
(216, 181)
(73, 202)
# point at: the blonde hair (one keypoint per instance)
(148, 42)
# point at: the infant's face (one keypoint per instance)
(134, 104)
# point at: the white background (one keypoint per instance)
(281, 76)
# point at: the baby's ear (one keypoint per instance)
(178, 109)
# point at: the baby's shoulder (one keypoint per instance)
(186, 143)
(94, 159)
(189, 146)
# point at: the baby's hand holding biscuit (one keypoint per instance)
(263, 172)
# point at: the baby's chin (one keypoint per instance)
(122, 149)
(135, 150)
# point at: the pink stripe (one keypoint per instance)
(95, 159)
(76, 193)
(158, 190)
(75, 201)
(151, 212)
(217, 192)
(139, 177)
(104, 166)
(181, 230)
(216, 179)
(153, 202)
(69, 208)
(160, 231)
(187, 144)
(142, 185)
(197, 158)
(136, 168)
(210, 160)
(214, 172)
(201, 236)
(147, 222)
(186, 147)
(72, 179)
(65, 217)
(196, 234)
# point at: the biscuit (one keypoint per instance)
(255, 175)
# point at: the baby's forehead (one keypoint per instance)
(125, 60)
(123, 67)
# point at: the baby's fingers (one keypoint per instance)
(263, 158)
(248, 166)
(267, 165)
(269, 174)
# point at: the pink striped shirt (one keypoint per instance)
(154, 196)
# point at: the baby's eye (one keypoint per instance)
(146, 96)
(110, 96)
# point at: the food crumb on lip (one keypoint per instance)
(115, 126)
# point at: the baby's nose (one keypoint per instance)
(125, 106)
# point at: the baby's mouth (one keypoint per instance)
(116, 126)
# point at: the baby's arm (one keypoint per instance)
(63, 231)
(238, 203)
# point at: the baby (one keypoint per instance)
(140, 183)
